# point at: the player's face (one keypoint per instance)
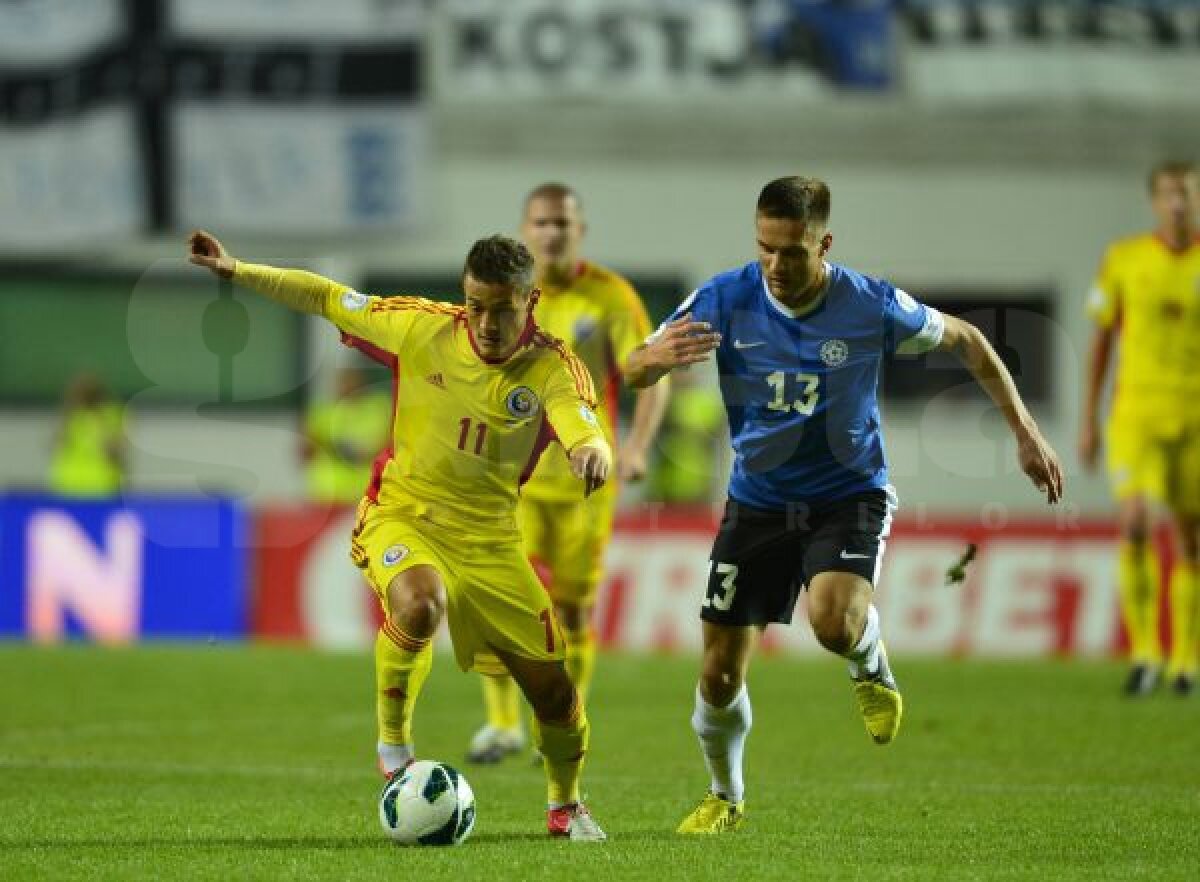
(1176, 200)
(553, 229)
(496, 315)
(790, 252)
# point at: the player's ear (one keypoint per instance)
(826, 243)
(534, 294)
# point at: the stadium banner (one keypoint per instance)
(1143, 52)
(299, 169)
(1036, 587)
(70, 179)
(655, 49)
(119, 571)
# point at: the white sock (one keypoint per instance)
(864, 657)
(722, 733)
(394, 756)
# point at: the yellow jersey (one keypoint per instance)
(466, 430)
(1151, 294)
(345, 435)
(601, 318)
(82, 464)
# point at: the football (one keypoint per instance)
(428, 803)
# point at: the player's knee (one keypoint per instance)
(417, 605)
(720, 681)
(838, 629)
(1134, 522)
(571, 616)
(554, 699)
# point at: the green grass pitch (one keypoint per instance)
(229, 762)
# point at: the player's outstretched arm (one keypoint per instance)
(1089, 429)
(680, 343)
(296, 289)
(1038, 459)
(648, 410)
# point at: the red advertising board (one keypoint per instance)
(1036, 586)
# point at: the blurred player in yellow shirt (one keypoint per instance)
(1147, 297)
(600, 316)
(480, 391)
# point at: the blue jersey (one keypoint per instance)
(800, 390)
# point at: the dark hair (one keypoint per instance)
(795, 198)
(553, 190)
(1175, 168)
(499, 260)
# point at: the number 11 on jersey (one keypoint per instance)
(464, 433)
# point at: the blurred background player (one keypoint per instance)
(1147, 297)
(799, 345)
(690, 464)
(482, 387)
(342, 436)
(91, 453)
(599, 315)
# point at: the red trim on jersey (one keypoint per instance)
(612, 386)
(526, 336)
(1177, 251)
(391, 361)
(545, 435)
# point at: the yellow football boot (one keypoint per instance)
(714, 815)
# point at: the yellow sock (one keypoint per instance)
(581, 659)
(401, 664)
(502, 701)
(1185, 619)
(563, 745)
(1138, 586)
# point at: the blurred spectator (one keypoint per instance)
(343, 435)
(91, 456)
(690, 442)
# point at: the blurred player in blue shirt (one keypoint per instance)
(799, 343)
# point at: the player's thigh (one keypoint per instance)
(500, 607)
(1182, 496)
(837, 604)
(583, 531)
(385, 547)
(753, 577)
(1137, 470)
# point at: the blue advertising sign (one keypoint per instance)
(120, 570)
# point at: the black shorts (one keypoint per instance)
(762, 560)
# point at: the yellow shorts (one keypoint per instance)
(494, 599)
(569, 539)
(1144, 459)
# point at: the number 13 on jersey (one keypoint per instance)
(804, 399)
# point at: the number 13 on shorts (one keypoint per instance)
(720, 596)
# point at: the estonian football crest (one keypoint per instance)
(834, 352)
(521, 403)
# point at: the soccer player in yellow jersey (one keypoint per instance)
(1147, 298)
(479, 392)
(600, 316)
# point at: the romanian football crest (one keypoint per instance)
(521, 403)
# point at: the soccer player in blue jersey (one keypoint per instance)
(799, 342)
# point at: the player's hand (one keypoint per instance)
(1089, 446)
(681, 343)
(591, 462)
(1040, 462)
(631, 464)
(204, 249)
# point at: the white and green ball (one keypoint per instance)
(428, 803)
